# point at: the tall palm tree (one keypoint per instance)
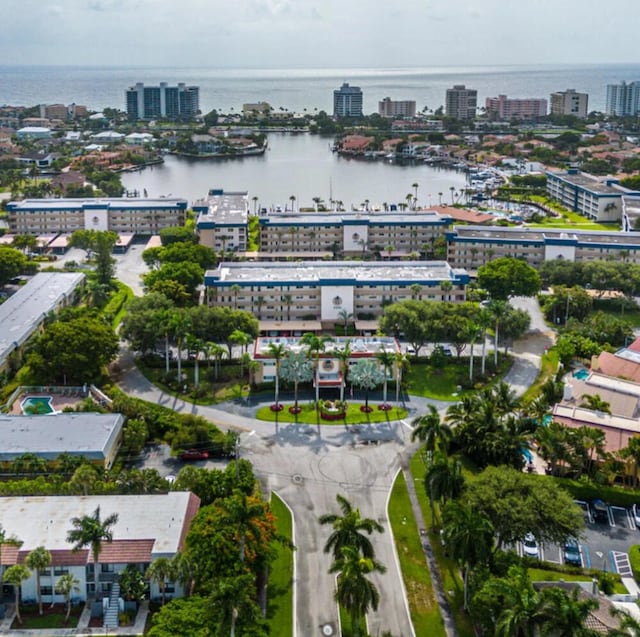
(161, 570)
(296, 369)
(345, 316)
(386, 359)
(343, 355)
(15, 575)
(443, 481)
(235, 289)
(431, 430)
(91, 530)
(415, 193)
(499, 310)
(402, 360)
(277, 351)
(349, 530)
(355, 592)
(315, 345)
(67, 584)
(37, 560)
(366, 374)
(216, 351)
(183, 571)
(179, 325)
(468, 536)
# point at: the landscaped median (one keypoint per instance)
(309, 415)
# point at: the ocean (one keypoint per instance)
(301, 90)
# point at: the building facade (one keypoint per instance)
(570, 102)
(461, 102)
(222, 219)
(148, 527)
(352, 233)
(323, 290)
(121, 215)
(163, 101)
(470, 247)
(503, 108)
(396, 108)
(330, 372)
(623, 100)
(347, 101)
(585, 194)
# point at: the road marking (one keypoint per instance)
(407, 425)
(586, 556)
(612, 521)
(621, 563)
(631, 519)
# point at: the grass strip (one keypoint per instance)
(309, 415)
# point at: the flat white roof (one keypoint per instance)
(336, 272)
(87, 434)
(45, 521)
(597, 418)
(23, 312)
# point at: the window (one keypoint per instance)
(60, 570)
(46, 590)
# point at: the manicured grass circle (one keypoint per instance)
(308, 415)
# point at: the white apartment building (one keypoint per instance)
(461, 102)
(222, 220)
(623, 100)
(121, 215)
(322, 291)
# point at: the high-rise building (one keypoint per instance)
(396, 108)
(347, 101)
(569, 102)
(162, 102)
(503, 108)
(461, 102)
(623, 100)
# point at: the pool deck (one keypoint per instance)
(58, 402)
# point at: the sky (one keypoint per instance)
(317, 33)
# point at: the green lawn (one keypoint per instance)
(280, 586)
(449, 571)
(442, 383)
(53, 618)
(548, 369)
(309, 415)
(425, 613)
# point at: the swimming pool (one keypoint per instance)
(581, 374)
(37, 405)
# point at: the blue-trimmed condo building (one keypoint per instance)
(222, 220)
(122, 215)
(353, 233)
(585, 194)
(470, 247)
(323, 291)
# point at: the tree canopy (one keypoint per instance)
(12, 263)
(506, 277)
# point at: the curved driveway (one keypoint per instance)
(309, 465)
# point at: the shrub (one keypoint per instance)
(634, 559)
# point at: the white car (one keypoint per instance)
(530, 546)
(635, 510)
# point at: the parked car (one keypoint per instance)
(194, 454)
(600, 511)
(530, 546)
(571, 552)
(635, 510)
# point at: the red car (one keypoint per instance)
(194, 454)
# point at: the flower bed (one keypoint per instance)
(277, 407)
(332, 415)
(385, 407)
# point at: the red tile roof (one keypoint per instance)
(192, 508)
(462, 214)
(125, 552)
(612, 365)
(60, 557)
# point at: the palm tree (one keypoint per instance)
(65, 586)
(260, 300)
(416, 290)
(386, 359)
(343, 355)
(15, 575)
(315, 345)
(296, 369)
(565, 614)
(443, 481)
(183, 571)
(431, 430)
(345, 316)
(292, 199)
(179, 326)
(235, 290)
(90, 530)
(366, 374)
(277, 351)
(195, 345)
(415, 194)
(499, 310)
(439, 198)
(84, 478)
(287, 298)
(595, 403)
(402, 360)
(255, 205)
(354, 590)
(37, 560)
(161, 570)
(468, 536)
(218, 352)
(349, 530)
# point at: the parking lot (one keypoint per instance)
(603, 543)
